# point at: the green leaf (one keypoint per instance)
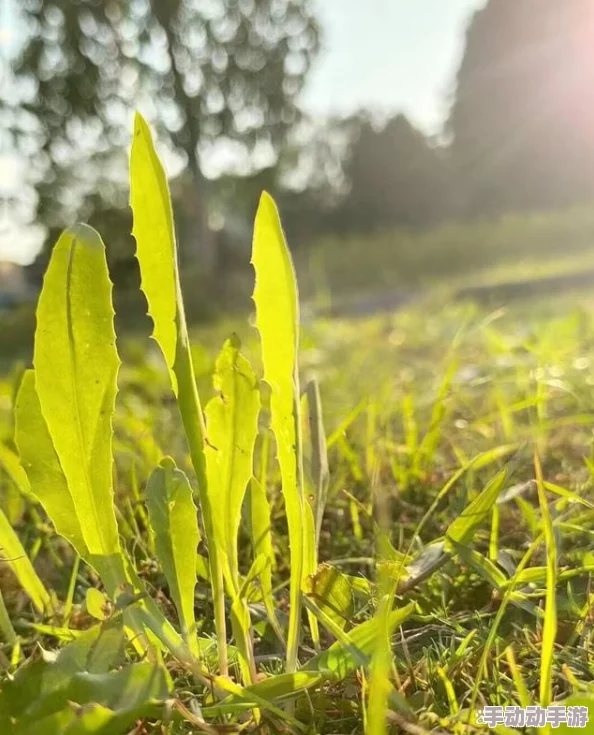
(157, 256)
(332, 592)
(49, 485)
(16, 558)
(37, 689)
(232, 428)
(9, 461)
(277, 320)
(259, 523)
(108, 703)
(40, 461)
(155, 239)
(462, 529)
(76, 365)
(174, 520)
(97, 604)
(481, 564)
(271, 689)
(344, 657)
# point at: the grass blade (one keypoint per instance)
(353, 650)
(549, 632)
(462, 529)
(319, 454)
(12, 551)
(6, 629)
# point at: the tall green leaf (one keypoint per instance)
(277, 320)
(174, 520)
(157, 256)
(232, 428)
(76, 365)
(155, 239)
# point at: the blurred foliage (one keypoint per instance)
(402, 262)
(396, 177)
(519, 139)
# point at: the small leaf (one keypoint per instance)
(97, 604)
(38, 456)
(271, 689)
(232, 428)
(174, 521)
(332, 592)
(481, 564)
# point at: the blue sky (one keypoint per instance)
(385, 55)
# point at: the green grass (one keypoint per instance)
(448, 257)
(451, 460)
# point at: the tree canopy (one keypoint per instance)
(209, 72)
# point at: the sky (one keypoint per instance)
(389, 55)
(385, 55)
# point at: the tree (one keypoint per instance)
(522, 121)
(210, 74)
(395, 177)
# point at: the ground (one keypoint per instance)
(424, 408)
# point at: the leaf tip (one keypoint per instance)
(140, 124)
(85, 234)
(168, 463)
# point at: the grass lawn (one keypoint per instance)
(423, 409)
(368, 525)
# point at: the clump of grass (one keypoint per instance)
(426, 556)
